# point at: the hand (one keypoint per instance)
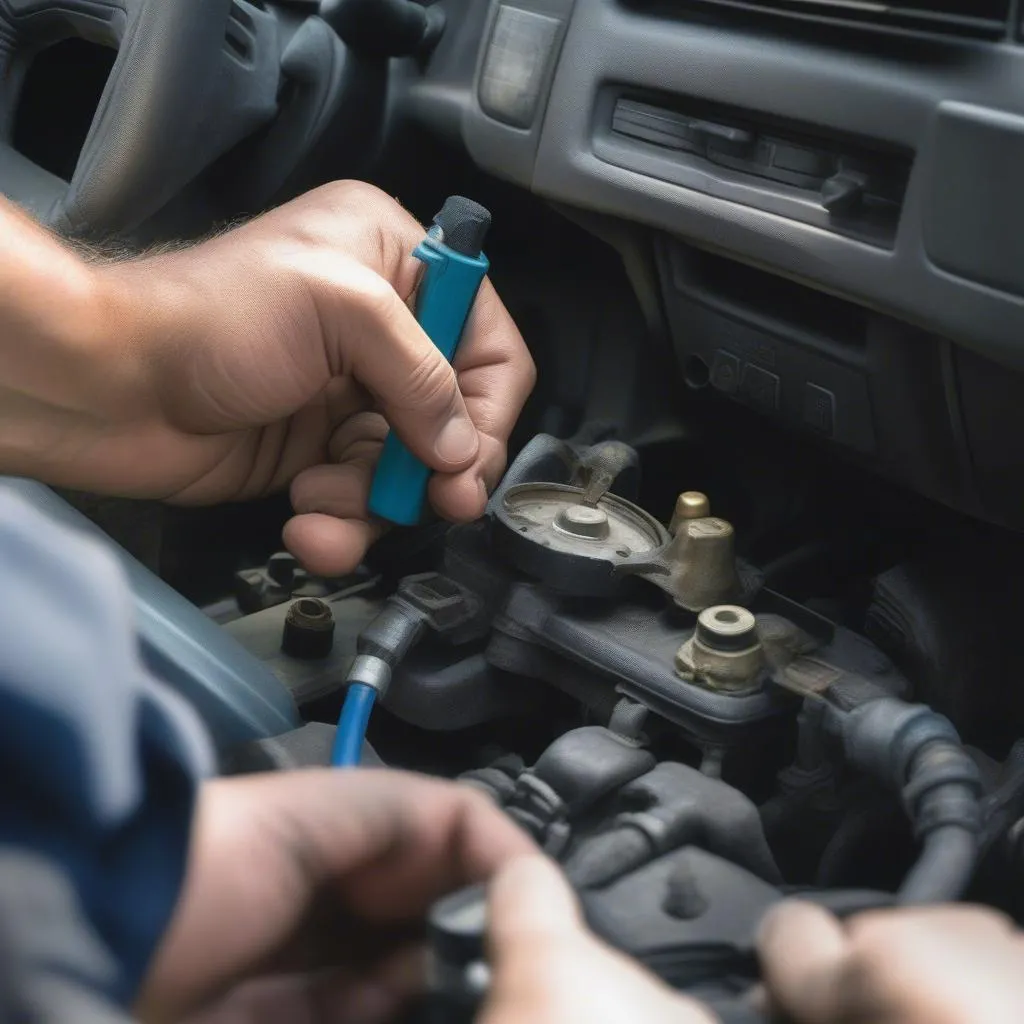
(270, 356)
(548, 969)
(310, 887)
(955, 965)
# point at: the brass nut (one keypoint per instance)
(732, 662)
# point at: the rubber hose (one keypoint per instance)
(355, 716)
(854, 831)
(944, 869)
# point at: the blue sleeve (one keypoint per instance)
(100, 766)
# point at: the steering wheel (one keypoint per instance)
(192, 79)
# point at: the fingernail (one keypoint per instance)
(457, 442)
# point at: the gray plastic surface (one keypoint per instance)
(974, 216)
(447, 97)
(238, 698)
(841, 81)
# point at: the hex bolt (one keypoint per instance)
(308, 629)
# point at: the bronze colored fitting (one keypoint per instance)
(689, 505)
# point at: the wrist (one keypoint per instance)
(65, 364)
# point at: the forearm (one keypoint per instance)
(69, 354)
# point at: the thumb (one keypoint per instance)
(390, 355)
(547, 968)
(538, 951)
(531, 900)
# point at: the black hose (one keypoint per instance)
(848, 840)
(918, 754)
(944, 868)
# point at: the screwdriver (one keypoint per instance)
(455, 266)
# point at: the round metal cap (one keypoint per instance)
(555, 517)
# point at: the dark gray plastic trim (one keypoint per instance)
(891, 99)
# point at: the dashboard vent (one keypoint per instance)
(985, 19)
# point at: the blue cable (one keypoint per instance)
(355, 716)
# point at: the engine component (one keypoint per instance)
(553, 533)
(582, 539)
(948, 617)
(427, 601)
(670, 807)
(280, 579)
(577, 771)
(701, 564)
(689, 505)
(306, 747)
(919, 754)
(706, 951)
(725, 651)
(633, 646)
(308, 629)
(528, 625)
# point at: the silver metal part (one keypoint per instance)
(371, 671)
(557, 517)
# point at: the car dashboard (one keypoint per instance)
(828, 192)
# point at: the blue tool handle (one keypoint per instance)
(444, 298)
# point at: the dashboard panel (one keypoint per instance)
(876, 167)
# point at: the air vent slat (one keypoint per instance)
(964, 18)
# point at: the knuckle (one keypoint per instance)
(430, 385)
(349, 192)
(375, 296)
(529, 370)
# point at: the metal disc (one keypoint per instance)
(553, 516)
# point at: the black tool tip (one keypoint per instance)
(464, 225)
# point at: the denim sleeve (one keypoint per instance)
(100, 766)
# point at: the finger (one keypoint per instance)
(460, 497)
(530, 901)
(359, 438)
(496, 376)
(374, 847)
(324, 997)
(389, 843)
(327, 546)
(343, 489)
(937, 965)
(495, 368)
(537, 945)
(332, 530)
(370, 333)
(547, 968)
(804, 952)
(338, 491)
